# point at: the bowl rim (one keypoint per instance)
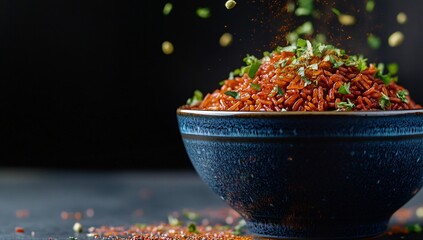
(373, 113)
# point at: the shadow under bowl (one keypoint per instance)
(313, 175)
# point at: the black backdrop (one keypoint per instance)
(85, 84)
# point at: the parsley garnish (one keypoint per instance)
(348, 106)
(233, 94)
(301, 72)
(373, 41)
(384, 101)
(255, 86)
(253, 64)
(359, 61)
(253, 69)
(336, 63)
(196, 99)
(344, 88)
(402, 94)
(388, 77)
(280, 91)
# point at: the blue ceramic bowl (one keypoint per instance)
(314, 175)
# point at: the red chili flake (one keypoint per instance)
(19, 230)
(77, 216)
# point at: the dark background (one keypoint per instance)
(84, 84)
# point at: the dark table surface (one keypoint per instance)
(47, 203)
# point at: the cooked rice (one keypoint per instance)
(311, 81)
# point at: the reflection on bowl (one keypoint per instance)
(308, 175)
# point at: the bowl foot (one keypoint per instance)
(336, 231)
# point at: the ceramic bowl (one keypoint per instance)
(308, 175)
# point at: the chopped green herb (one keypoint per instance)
(301, 72)
(196, 99)
(233, 94)
(192, 228)
(167, 8)
(336, 11)
(384, 101)
(301, 43)
(292, 37)
(359, 61)
(305, 8)
(373, 41)
(370, 5)
(253, 69)
(203, 12)
(402, 94)
(314, 66)
(388, 77)
(348, 106)
(280, 91)
(305, 29)
(255, 86)
(336, 63)
(344, 88)
(250, 59)
(281, 63)
(393, 68)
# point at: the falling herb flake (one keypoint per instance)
(401, 18)
(196, 99)
(230, 4)
(225, 40)
(190, 215)
(384, 101)
(305, 8)
(370, 5)
(255, 86)
(393, 68)
(203, 12)
(167, 47)
(402, 94)
(344, 88)
(373, 41)
(396, 39)
(233, 94)
(348, 106)
(336, 11)
(167, 8)
(305, 29)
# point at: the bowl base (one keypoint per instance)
(262, 230)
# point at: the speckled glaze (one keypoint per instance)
(327, 175)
